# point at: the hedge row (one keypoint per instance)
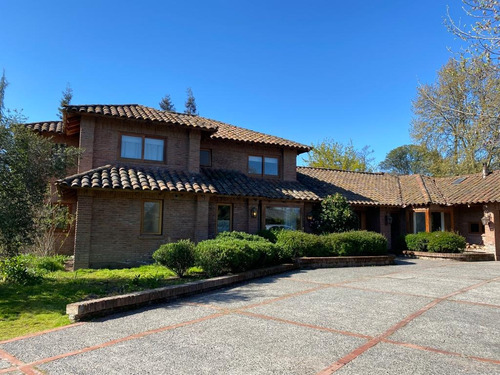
(238, 251)
(436, 242)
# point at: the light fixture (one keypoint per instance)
(253, 212)
(309, 217)
(486, 219)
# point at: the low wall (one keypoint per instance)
(464, 257)
(355, 261)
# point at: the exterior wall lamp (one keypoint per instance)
(486, 219)
(253, 212)
(309, 217)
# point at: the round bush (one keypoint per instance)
(178, 256)
(417, 241)
(19, 270)
(446, 242)
(356, 243)
(298, 244)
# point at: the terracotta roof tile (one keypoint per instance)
(208, 181)
(356, 187)
(220, 129)
(55, 127)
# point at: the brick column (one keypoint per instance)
(201, 223)
(85, 161)
(496, 229)
(83, 231)
(194, 151)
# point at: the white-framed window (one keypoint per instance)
(143, 148)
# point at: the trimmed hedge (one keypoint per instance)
(178, 256)
(355, 243)
(297, 244)
(229, 254)
(437, 242)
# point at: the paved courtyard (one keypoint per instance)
(418, 317)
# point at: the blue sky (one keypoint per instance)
(303, 70)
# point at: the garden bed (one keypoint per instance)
(464, 257)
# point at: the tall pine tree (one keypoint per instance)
(166, 104)
(66, 99)
(190, 103)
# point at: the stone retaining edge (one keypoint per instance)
(464, 257)
(98, 307)
(354, 261)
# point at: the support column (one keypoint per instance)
(85, 160)
(496, 225)
(194, 151)
(83, 231)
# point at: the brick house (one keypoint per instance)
(147, 177)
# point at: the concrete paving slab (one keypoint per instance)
(464, 270)
(215, 347)
(4, 364)
(102, 330)
(415, 284)
(466, 329)
(488, 294)
(364, 312)
(252, 292)
(386, 359)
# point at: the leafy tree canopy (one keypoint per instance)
(331, 154)
(459, 116)
(410, 159)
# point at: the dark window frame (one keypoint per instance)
(160, 218)
(210, 157)
(143, 137)
(230, 217)
(263, 165)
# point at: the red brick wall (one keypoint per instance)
(234, 156)
(463, 217)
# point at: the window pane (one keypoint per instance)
(131, 147)
(153, 149)
(151, 222)
(271, 166)
(283, 217)
(205, 158)
(223, 218)
(255, 164)
(419, 218)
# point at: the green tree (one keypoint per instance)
(331, 154)
(459, 116)
(3, 86)
(410, 159)
(67, 95)
(334, 215)
(166, 104)
(27, 162)
(190, 103)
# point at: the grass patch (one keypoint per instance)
(26, 309)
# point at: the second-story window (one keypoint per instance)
(142, 148)
(206, 158)
(264, 166)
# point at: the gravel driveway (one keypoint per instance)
(417, 317)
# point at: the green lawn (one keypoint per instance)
(33, 308)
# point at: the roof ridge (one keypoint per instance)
(345, 171)
(93, 170)
(40, 122)
(423, 188)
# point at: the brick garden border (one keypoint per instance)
(464, 257)
(102, 306)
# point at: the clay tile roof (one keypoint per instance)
(221, 130)
(357, 187)
(469, 189)
(208, 181)
(54, 127)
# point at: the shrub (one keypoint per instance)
(178, 256)
(297, 244)
(239, 236)
(19, 270)
(334, 216)
(446, 242)
(268, 234)
(418, 241)
(229, 254)
(355, 243)
(49, 263)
